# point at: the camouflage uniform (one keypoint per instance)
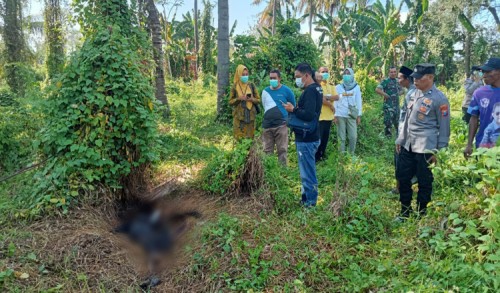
(391, 106)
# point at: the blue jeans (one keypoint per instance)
(306, 152)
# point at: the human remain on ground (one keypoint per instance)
(426, 129)
(308, 108)
(485, 109)
(390, 90)
(243, 99)
(275, 131)
(471, 84)
(327, 112)
(348, 110)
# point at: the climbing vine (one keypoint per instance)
(54, 37)
(12, 34)
(101, 109)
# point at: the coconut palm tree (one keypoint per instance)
(271, 12)
(386, 30)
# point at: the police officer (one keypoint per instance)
(425, 129)
(406, 82)
(389, 89)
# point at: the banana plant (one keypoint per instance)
(385, 26)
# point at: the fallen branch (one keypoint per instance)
(21, 171)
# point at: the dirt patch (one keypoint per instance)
(82, 253)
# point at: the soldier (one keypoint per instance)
(426, 128)
(389, 89)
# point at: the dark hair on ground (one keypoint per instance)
(306, 69)
(277, 72)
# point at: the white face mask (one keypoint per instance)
(298, 82)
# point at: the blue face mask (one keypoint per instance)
(244, 79)
(298, 82)
(347, 78)
(325, 75)
(274, 83)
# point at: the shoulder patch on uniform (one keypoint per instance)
(444, 110)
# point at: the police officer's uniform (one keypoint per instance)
(425, 129)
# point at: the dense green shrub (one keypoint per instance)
(225, 167)
(21, 78)
(20, 120)
(285, 50)
(102, 120)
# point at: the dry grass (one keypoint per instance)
(251, 178)
(82, 253)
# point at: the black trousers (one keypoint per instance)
(324, 135)
(414, 164)
(465, 116)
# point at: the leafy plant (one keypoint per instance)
(101, 110)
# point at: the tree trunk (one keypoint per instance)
(310, 23)
(13, 38)
(196, 39)
(274, 18)
(54, 38)
(467, 51)
(155, 29)
(222, 53)
(468, 43)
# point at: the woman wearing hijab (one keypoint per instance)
(243, 99)
(348, 110)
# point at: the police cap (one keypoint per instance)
(405, 70)
(423, 69)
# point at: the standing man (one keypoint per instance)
(327, 112)
(406, 82)
(274, 123)
(485, 108)
(390, 90)
(308, 108)
(426, 129)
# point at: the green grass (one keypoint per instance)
(348, 243)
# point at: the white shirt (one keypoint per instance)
(346, 98)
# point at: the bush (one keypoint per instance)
(19, 123)
(102, 122)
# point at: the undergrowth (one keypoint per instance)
(349, 242)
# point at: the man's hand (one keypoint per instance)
(468, 151)
(335, 120)
(398, 149)
(242, 98)
(432, 160)
(358, 120)
(288, 107)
